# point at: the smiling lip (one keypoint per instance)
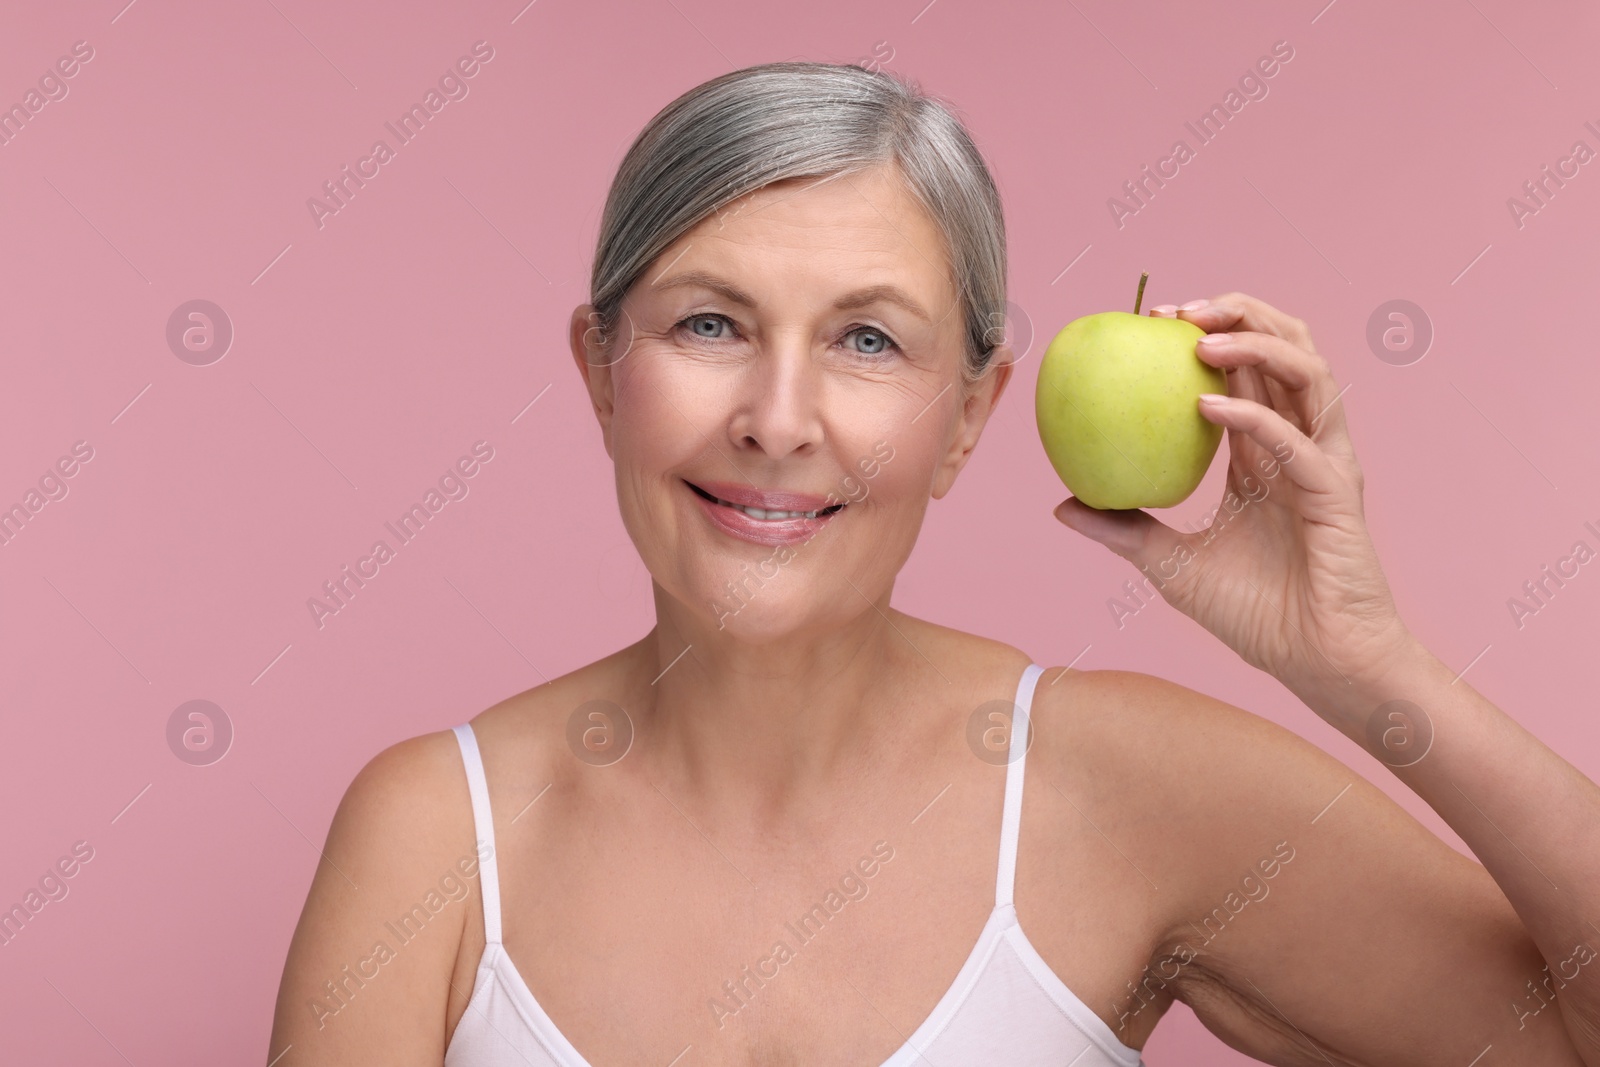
(723, 504)
(770, 500)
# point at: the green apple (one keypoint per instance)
(1117, 407)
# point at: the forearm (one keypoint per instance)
(1530, 817)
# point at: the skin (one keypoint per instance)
(818, 720)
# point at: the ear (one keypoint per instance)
(593, 365)
(979, 404)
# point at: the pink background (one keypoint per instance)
(370, 353)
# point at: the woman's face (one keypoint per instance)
(798, 353)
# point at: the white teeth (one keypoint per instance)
(758, 513)
(767, 514)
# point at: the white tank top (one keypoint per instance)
(1005, 1006)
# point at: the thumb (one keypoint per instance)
(1134, 535)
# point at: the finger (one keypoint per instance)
(1242, 381)
(1327, 497)
(1241, 311)
(1248, 383)
(1136, 536)
(1306, 381)
(1287, 362)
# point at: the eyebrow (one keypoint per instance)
(860, 298)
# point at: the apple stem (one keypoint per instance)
(1138, 297)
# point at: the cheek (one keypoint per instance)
(664, 415)
(657, 415)
(895, 465)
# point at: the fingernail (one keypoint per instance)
(1194, 305)
(1213, 398)
(1215, 339)
(1164, 309)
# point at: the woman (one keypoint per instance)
(793, 825)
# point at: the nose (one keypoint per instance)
(778, 407)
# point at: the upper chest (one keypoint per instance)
(644, 932)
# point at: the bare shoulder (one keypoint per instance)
(1173, 742)
(410, 783)
(392, 924)
(1263, 851)
(396, 893)
(356, 987)
(1204, 791)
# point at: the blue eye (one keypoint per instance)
(872, 331)
(708, 317)
(884, 341)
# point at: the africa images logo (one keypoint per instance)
(452, 486)
(452, 86)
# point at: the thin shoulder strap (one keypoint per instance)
(483, 825)
(1011, 817)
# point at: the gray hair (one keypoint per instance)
(740, 131)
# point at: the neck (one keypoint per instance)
(766, 723)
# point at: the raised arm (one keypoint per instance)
(1304, 916)
(1287, 576)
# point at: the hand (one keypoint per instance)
(1286, 574)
